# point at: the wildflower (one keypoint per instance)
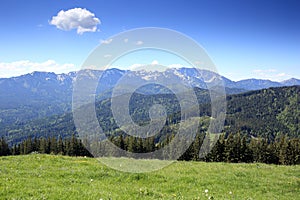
(206, 191)
(230, 192)
(92, 180)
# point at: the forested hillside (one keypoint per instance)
(267, 113)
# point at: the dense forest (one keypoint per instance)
(232, 149)
(266, 113)
(260, 126)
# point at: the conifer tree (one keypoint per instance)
(43, 145)
(4, 149)
(60, 146)
(53, 145)
(282, 150)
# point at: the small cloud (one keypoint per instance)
(154, 62)
(264, 70)
(21, 67)
(281, 75)
(270, 74)
(106, 41)
(76, 18)
(139, 42)
(126, 40)
(135, 66)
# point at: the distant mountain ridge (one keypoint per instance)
(58, 88)
(42, 94)
(192, 76)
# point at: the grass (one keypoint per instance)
(60, 177)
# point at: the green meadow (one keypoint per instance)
(39, 176)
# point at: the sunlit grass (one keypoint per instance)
(60, 177)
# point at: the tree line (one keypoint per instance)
(52, 145)
(232, 148)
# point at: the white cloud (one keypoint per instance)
(108, 41)
(126, 40)
(21, 67)
(177, 65)
(76, 18)
(135, 66)
(139, 42)
(264, 70)
(154, 62)
(270, 74)
(281, 75)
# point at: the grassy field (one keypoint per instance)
(59, 177)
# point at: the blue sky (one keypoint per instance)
(244, 38)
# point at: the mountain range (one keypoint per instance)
(41, 94)
(40, 85)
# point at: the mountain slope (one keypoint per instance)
(257, 84)
(291, 82)
(267, 113)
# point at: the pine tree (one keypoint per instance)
(218, 151)
(132, 145)
(43, 145)
(253, 146)
(282, 150)
(60, 146)
(35, 144)
(196, 147)
(14, 150)
(120, 142)
(28, 146)
(246, 153)
(53, 145)
(140, 146)
(149, 144)
(296, 150)
(4, 149)
(290, 157)
(205, 148)
(229, 148)
(271, 154)
(73, 150)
